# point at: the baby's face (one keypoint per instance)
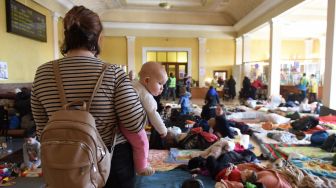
(155, 84)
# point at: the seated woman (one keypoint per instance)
(211, 100)
(212, 97)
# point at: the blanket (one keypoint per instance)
(271, 151)
(261, 137)
(313, 152)
(181, 156)
(157, 159)
(317, 167)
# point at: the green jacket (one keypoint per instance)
(172, 82)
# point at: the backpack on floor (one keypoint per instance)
(329, 144)
(73, 153)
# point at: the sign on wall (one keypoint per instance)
(3, 71)
(24, 21)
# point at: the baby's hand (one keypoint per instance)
(163, 135)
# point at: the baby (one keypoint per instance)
(152, 77)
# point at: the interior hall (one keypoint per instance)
(230, 93)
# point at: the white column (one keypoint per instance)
(329, 87)
(237, 69)
(201, 60)
(275, 59)
(246, 55)
(55, 32)
(131, 53)
(322, 58)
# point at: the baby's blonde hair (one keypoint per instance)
(151, 69)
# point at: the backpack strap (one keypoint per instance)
(59, 82)
(98, 84)
(61, 88)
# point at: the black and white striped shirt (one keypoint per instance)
(116, 100)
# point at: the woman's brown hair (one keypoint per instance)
(82, 28)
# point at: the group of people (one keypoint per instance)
(308, 85)
(229, 86)
(127, 106)
(251, 89)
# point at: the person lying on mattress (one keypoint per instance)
(213, 166)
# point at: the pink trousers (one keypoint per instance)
(140, 146)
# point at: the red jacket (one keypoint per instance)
(256, 84)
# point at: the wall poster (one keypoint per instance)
(3, 71)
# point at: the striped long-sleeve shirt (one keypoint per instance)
(116, 100)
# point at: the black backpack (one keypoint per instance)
(330, 144)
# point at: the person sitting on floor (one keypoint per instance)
(220, 126)
(31, 150)
(211, 100)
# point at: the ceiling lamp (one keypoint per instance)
(165, 5)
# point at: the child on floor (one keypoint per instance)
(152, 77)
(219, 125)
(31, 150)
(184, 101)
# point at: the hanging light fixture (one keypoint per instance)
(165, 5)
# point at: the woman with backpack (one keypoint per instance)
(116, 102)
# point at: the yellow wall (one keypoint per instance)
(114, 50)
(293, 49)
(220, 55)
(259, 50)
(23, 55)
(192, 43)
(316, 46)
(290, 49)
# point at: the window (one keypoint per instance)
(175, 62)
(168, 56)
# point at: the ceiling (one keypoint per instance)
(307, 20)
(202, 12)
(194, 18)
